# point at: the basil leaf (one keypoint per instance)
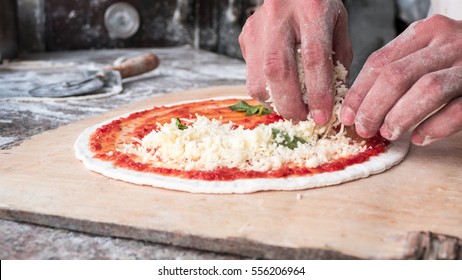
(180, 125)
(287, 141)
(240, 106)
(262, 110)
(252, 110)
(243, 106)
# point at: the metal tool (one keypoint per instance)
(108, 77)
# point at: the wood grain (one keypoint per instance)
(396, 214)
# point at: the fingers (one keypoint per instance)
(392, 84)
(280, 70)
(267, 42)
(273, 63)
(256, 83)
(391, 72)
(318, 68)
(343, 51)
(403, 45)
(442, 124)
(428, 32)
(430, 93)
(282, 77)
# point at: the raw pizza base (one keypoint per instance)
(394, 154)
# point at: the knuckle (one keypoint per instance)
(438, 21)
(314, 53)
(353, 98)
(431, 85)
(317, 8)
(253, 25)
(377, 60)
(275, 67)
(272, 7)
(249, 29)
(440, 27)
(394, 75)
(396, 70)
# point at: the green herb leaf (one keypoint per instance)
(243, 106)
(252, 110)
(180, 125)
(240, 106)
(263, 111)
(287, 141)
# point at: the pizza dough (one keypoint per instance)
(168, 148)
(376, 164)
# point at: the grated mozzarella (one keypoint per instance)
(208, 144)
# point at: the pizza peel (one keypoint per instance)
(110, 76)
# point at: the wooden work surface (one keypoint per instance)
(413, 210)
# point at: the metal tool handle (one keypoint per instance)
(136, 65)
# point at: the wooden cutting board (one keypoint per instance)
(413, 210)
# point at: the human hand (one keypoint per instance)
(268, 42)
(418, 73)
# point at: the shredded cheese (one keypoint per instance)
(208, 144)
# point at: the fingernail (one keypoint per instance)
(319, 117)
(416, 138)
(420, 140)
(348, 116)
(390, 134)
(361, 130)
(385, 132)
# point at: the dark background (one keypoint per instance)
(28, 26)
(53, 25)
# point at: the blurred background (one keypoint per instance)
(28, 26)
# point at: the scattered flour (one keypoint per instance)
(6, 140)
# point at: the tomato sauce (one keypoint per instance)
(107, 138)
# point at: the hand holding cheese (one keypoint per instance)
(268, 42)
(416, 74)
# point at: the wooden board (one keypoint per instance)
(413, 210)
